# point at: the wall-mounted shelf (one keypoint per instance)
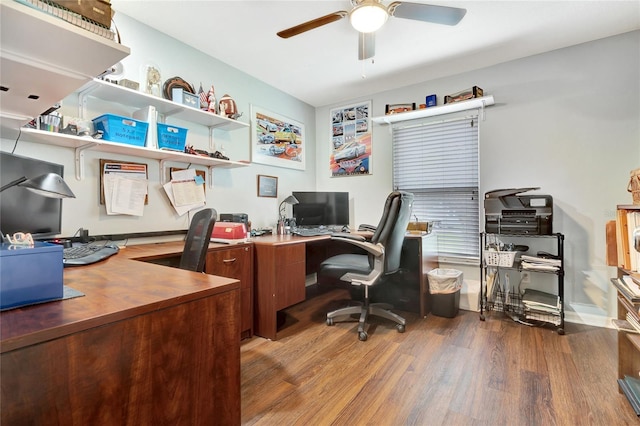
(81, 144)
(113, 93)
(436, 110)
(39, 56)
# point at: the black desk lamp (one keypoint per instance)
(289, 200)
(48, 185)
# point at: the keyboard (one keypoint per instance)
(311, 232)
(87, 254)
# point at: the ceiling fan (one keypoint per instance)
(367, 16)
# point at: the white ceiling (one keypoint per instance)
(320, 67)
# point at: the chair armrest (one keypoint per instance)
(359, 241)
(347, 235)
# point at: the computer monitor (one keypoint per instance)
(22, 210)
(321, 209)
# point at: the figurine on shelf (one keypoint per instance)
(204, 101)
(211, 99)
(223, 109)
(230, 108)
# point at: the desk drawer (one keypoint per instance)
(236, 262)
(231, 263)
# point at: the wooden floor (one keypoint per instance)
(441, 371)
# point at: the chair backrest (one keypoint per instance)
(392, 228)
(197, 243)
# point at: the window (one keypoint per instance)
(438, 163)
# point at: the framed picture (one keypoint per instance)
(267, 186)
(351, 140)
(277, 140)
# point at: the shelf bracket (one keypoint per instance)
(210, 176)
(82, 100)
(79, 158)
(212, 145)
(163, 176)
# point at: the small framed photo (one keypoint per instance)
(267, 186)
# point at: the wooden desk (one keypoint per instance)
(147, 344)
(281, 266)
(231, 261)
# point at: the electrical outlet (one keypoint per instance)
(525, 278)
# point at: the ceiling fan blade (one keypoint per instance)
(366, 45)
(314, 23)
(426, 12)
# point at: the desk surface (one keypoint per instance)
(117, 288)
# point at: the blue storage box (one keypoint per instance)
(431, 101)
(171, 137)
(30, 274)
(122, 129)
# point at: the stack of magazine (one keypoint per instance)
(541, 306)
(631, 388)
(538, 263)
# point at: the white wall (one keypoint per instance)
(234, 189)
(566, 121)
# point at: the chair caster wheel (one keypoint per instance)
(329, 321)
(400, 328)
(362, 336)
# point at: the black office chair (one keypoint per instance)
(382, 259)
(197, 242)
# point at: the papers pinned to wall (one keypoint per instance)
(185, 190)
(124, 187)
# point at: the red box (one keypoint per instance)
(228, 232)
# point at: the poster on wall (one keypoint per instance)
(351, 140)
(276, 140)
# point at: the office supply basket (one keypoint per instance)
(171, 137)
(121, 129)
(499, 258)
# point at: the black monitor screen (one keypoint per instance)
(22, 210)
(321, 208)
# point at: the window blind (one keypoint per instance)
(438, 163)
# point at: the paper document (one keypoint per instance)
(125, 188)
(185, 191)
(128, 195)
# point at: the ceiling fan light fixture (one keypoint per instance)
(368, 16)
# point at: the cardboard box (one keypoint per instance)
(30, 274)
(474, 92)
(98, 11)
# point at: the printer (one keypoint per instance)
(509, 211)
(235, 217)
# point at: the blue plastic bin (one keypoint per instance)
(122, 129)
(171, 137)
